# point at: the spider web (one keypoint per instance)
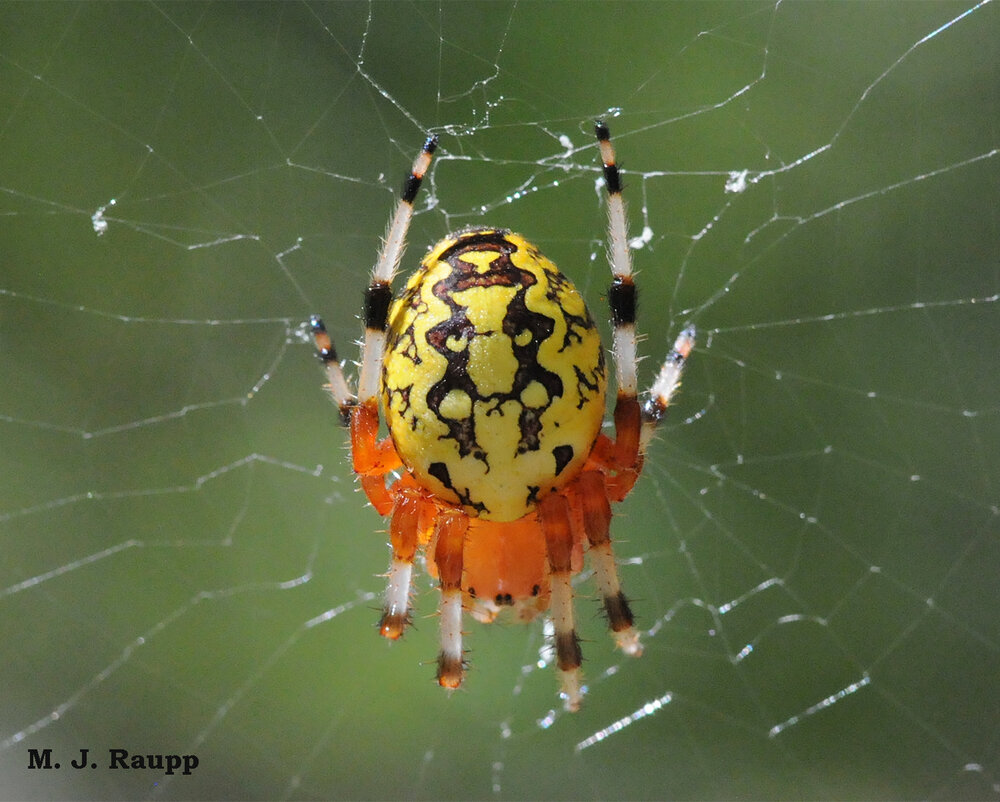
(813, 548)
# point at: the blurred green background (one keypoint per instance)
(813, 551)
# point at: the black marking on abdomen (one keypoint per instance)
(459, 329)
(563, 455)
(440, 472)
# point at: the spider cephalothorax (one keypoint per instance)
(491, 377)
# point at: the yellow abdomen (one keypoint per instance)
(493, 380)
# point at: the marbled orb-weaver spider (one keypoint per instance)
(491, 375)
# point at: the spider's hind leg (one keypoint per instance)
(450, 529)
(554, 515)
(597, 523)
(403, 534)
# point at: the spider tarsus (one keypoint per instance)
(654, 410)
(324, 345)
(450, 670)
(628, 641)
(685, 341)
(393, 624)
(612, 177)
(571, 690)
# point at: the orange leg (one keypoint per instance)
(451, 527)
(633, 426)
(372, 459)
(628, 423)
(597, 524)
(554, 515)
(619, 478)
(627, 454)
(403, 533)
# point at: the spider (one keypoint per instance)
(491, 376)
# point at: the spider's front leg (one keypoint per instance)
(634, 426)
(620, 461)
(336, 383)
(374, 459)
(622, 298)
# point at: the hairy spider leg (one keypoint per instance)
(554, 516)
(373, 459)
(450, 529)
(622, 303)
(378, 297)
(336, 383)
(410, 526)
(668, 381)
(622, 459)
